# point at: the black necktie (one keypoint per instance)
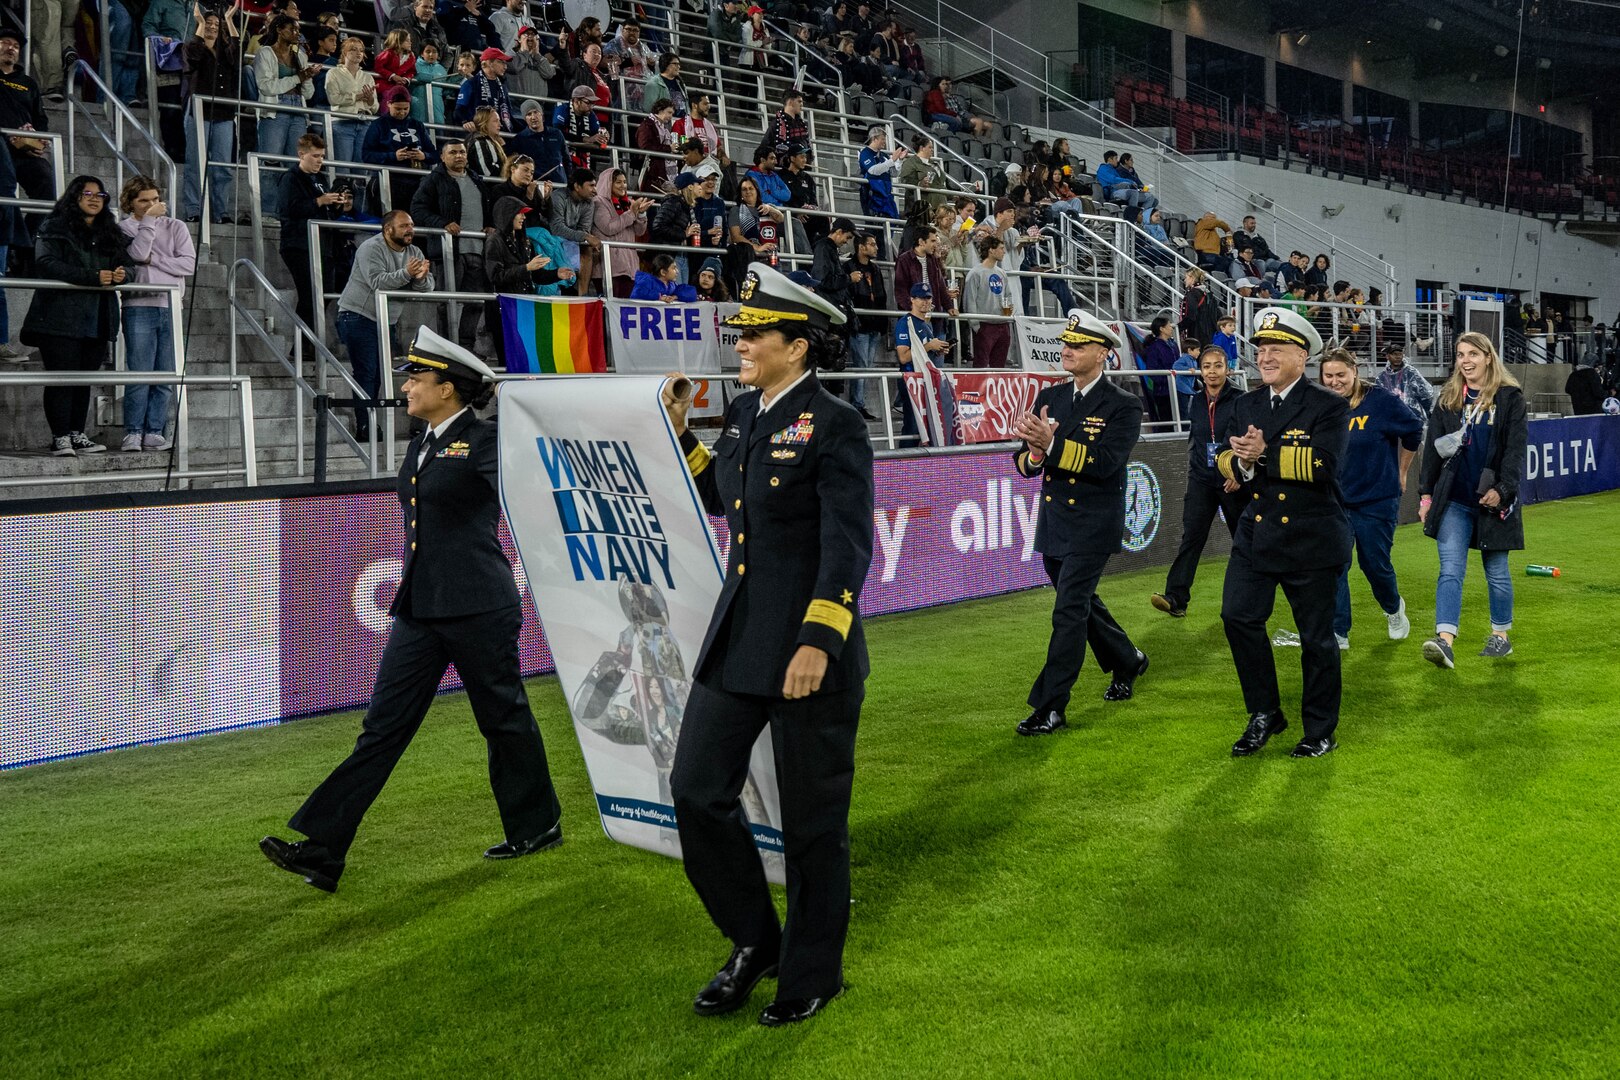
(426, 449)
(1276, 402)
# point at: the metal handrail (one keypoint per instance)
(123, 120)
(54, 140)
(983, 186)
(295, 364)
(244, 388)
(317, 258)
(1050, 93)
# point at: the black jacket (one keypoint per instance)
(795, 487)
(670, 220)
(1199, 470)
(65, 253)
(832, 280)
(506, 259)
(1082, 507)
(1510, 431)
(870, 293)
(299, 191)
(454, 564)
(437, 201)
(1295, 517)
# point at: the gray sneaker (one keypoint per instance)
(1497, 646)
(1437, 651)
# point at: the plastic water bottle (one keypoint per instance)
(1543, 571)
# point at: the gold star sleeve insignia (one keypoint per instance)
(848, 597)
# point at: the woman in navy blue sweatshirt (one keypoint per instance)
(1384, 437)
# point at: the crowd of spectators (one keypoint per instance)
(582, 160)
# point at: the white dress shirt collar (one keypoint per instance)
(765, 404)
(1082, 391)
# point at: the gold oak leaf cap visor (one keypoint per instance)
(770, 299)
(1084, 329)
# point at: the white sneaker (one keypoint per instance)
(155, 441)
(62, 446)
(14, 354)
(1344, 641)
(132, 444)
(84, 444)
(1285, 639)
(1399, 624)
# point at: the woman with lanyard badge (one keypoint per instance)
(792, 472)
(1208, 492)
(1473, 459)
(1384, 438)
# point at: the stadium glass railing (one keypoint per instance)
(241, 384)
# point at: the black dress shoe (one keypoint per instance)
(792, 1010)
(1038, 724)
(1168, 606)
(1120, 688)
(868, 417)
(1322, 744)
(728, 991)
(1262, 726)
(515, 849)
(305, 858)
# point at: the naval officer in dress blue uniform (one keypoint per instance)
(792, 473)
(1078, 440)
(1293, 532)
(457, 603)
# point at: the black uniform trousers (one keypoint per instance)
(1198, 509)
(484, 648)
(814, 743)
(1079, 618)
(1246, 604)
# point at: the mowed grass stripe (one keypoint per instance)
(1434, 899)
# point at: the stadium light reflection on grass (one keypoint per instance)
(1436, 898)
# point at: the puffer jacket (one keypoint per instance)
(67, 253)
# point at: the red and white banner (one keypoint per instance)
(965, 407)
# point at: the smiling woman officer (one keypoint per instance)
(792, 473)
(457, 603)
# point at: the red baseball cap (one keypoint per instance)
(493, 54)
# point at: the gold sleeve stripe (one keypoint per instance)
(830, 614)
(1224, 464)
(1073, 458)
(1294, 463)
(698, 459)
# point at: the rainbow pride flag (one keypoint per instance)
(553, 335)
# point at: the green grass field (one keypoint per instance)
(1437, 898)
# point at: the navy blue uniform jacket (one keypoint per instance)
(1295, 516)
(795, 486)
(1083, 476)
(454, 563)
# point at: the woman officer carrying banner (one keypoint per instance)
(792, 473)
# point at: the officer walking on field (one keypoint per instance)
(792, 473)
(457, 603)
(1293, 532)
(1079, 440)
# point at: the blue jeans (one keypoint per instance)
(221, 181)
(1135, 198)
(865, 348)
(126, 46)
(148, 346)
(1054, 285)
(278, 134)
(1456, 535)
(360, 338)
(347, 135)
(1374, 526)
